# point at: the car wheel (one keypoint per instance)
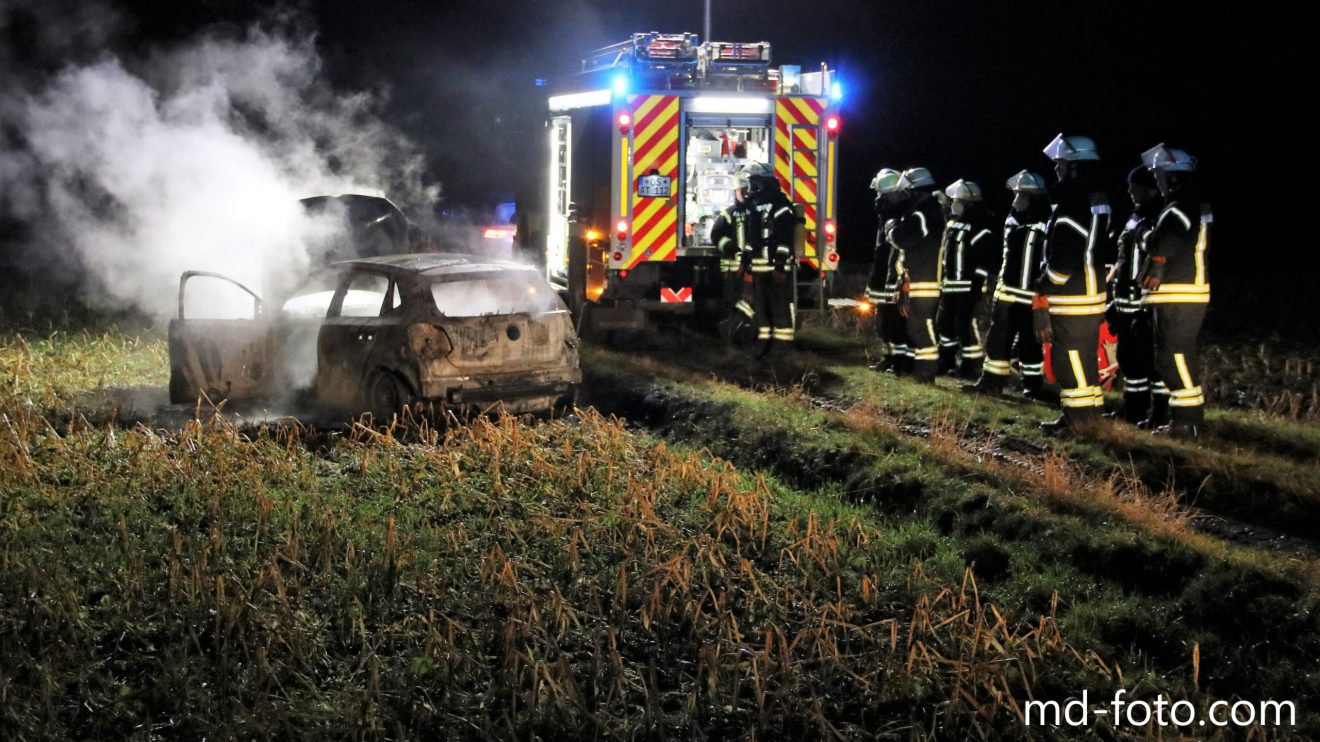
(386, 395)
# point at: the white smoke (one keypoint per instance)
(195, 158)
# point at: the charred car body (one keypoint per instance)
(378, 333)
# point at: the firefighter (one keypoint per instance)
(730, 235)
(917, 236)
(1127, 317)
(883, 283)
(1069, 304)
(1011, 327)
(1177, 283)
(772, 261)
(970, 255)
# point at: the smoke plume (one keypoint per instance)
(192, 157)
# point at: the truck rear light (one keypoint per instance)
(621, 230)
(833, 257)
(832, 126)
(617, 256)
(625, 123)
(830, 231)
(623, 274)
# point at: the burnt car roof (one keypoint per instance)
(434, 264)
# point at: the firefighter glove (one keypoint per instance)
(1153, 275)
(1040, 318)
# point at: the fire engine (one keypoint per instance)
(644, 142)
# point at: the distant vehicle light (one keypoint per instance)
(864, 306)
(593, 235)
(503, 232)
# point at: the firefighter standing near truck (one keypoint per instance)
(1127, 316)
(1070, 297)
(730, 233)
(883, 284)
(1177, 284)
(772, 260)
(917, 234)
(971, 254)
(1011, 327)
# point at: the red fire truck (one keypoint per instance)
(644, 142)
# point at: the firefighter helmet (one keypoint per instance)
(919, 177)
(886, 181)
(757, 170)
(740, 180)
(1026, 182)
(1071, 148)
(1160, 157)
(963, 190)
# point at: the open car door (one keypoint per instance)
(220, 342)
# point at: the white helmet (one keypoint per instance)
(919, 177)
(1160, 157)
(886, 181)
(1071, 148)
(1026, 182)
(963, 190)
(757, 170)
(883, 176)
(740, 180)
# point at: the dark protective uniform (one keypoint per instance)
(880, 291)
(1129, 319)
(971, 254)
(730, 234)
(1181, 242)
(772, 263)
(1073, 282)
(918, 237)
(1011, 329)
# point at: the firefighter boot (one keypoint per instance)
(970, 368)
(1032, 385)
(1136, 406)
(948, 360)
(1159, 413)
(1071, 421)
(991, 384)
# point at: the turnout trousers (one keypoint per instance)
(922, 337)
(1178, 359)
(1011, 331)
(1136, 361)
(772, 305)
(959, 331)
(1074, 363)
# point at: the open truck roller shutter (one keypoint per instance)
(800, 137)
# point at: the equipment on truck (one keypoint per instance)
(645, 142)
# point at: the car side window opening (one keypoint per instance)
(364, 294)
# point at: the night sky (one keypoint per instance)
(970, 89)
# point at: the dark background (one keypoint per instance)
(969, 89)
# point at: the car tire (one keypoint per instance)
(386, 395)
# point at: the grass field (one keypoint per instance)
(838, 555)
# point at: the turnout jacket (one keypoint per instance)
(772, 237)
(1126, 286)
(730, 234)
(1024, 244)
(969, 252)
(1181, 240)
(1074, 251)
(884, 267)
(917, 235)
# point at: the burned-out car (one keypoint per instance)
(374, 334)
